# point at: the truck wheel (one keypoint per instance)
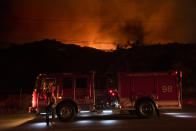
(146, 109)
(66, 112)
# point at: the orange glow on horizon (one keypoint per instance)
(103, 46)
(98, 23)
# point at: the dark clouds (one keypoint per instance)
(98, 20)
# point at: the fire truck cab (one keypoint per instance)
(74, 92)
(146, 93)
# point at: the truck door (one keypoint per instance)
(67, 87)
(82, 90)
(167, 91)
(42, 100)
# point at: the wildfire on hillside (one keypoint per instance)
(99, 23)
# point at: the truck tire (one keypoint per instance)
(66, 112)
(146, 109)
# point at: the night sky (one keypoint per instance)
(98, 23)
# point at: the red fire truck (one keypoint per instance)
(146, 93)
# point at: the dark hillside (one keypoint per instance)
(21, 64)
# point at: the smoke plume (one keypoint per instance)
(99, 23)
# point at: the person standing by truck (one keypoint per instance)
(51, 103)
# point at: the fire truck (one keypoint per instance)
(145, 93)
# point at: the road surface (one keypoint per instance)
(184, 120)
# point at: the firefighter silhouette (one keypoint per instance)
(51, 102)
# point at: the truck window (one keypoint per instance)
(50, 80)
(81, 83)
(37, 83)
(67, 83)
(100, 82)
(45, 83)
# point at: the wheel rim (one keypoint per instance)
(147, 109)
(65, 112)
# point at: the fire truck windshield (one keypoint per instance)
(45, 83)
(37, 83)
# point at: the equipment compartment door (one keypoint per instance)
(67, 87)
(167, 91)
(82, 90)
